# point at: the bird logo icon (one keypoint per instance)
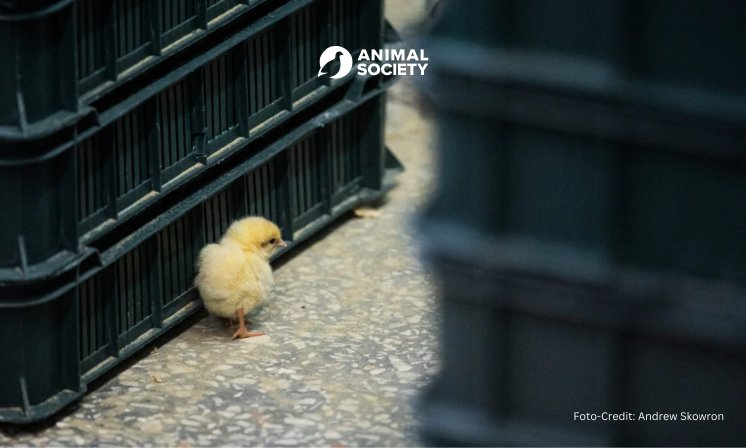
(330, 54)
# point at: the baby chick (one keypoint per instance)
(234, 275)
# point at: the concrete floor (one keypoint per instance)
(351, 338)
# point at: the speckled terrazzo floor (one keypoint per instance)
(351, 340)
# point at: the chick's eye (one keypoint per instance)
(273, 241)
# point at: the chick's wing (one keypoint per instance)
(222, 270)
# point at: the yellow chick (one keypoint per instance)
(234, 275)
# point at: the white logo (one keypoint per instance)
(345, 61)
(384, 61)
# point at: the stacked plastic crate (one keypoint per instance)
(132, 133)
(590, 225)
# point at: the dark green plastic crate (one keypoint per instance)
(584, 188)
(81, 49)
(65, 57)
(587, 230)
(675, 55)
(113, 165)
(60, 334)
(522, 353)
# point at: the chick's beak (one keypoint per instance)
(282, 244)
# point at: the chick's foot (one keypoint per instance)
(242, 333)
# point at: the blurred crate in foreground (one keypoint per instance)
(522, 353)
(673, 55)
(586, 188)
(588, 229)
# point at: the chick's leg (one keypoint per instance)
(242, 332)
